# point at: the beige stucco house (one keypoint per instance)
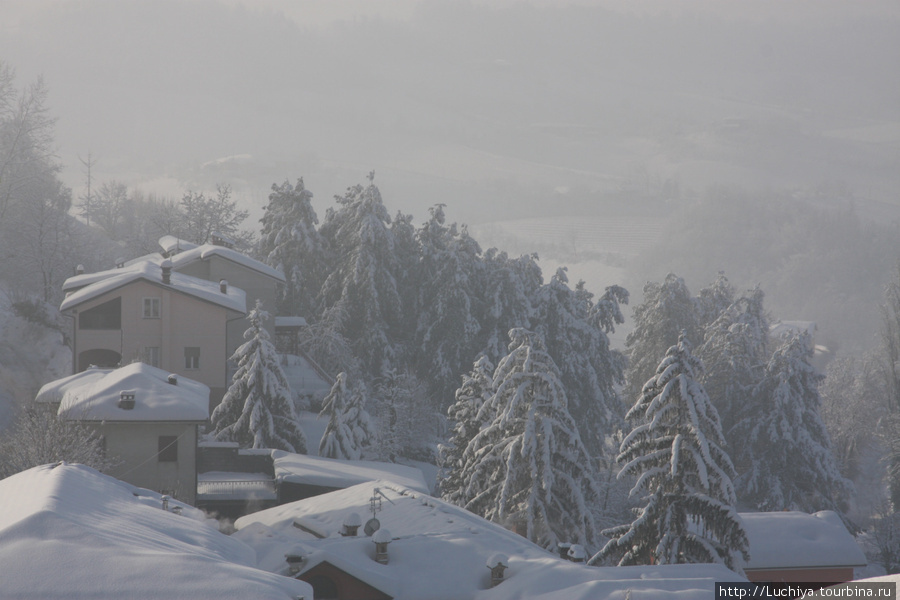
(218, 261)
(148, 419)
(145, 312)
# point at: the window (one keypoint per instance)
(168, 448)
(105, 316)
(151, 356)
(151, 308)
(191, 357)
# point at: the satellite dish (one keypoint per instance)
(372, 525)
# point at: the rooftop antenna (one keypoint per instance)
(373, 524)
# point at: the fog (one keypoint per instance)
(589, 132)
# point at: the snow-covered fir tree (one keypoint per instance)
(668, 309)
(350, 429)
(528, 468)
(578, 344)
(787, 460)
(734, 353)
(257, 410)
(409, 419)
(363, 279)
(290, 242)
(683, 472)
(447, 327)
(713, 300)
(477, 387)
(507, 287)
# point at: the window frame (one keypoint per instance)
(167, 448)
(148, 353)
(192, 358)
(151, 303)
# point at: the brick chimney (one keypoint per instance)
(381, 539)
(166, 267)
(351, 525)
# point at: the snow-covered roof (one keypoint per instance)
(67, 531)
(233, 298)
(172, 244)
(207, 251)
(94, 394)
(329, 472)
(780, 540)
(440, 551)
(290, 322)
(779, 328)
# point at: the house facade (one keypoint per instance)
(217, 262)
(167, 320)
(147, 418)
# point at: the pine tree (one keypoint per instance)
(409, 419)
(349, 431)
(577, 342)
(676, 452)
(734, 352)
(507, 287)
(257, 410)
(528, 468)
(290, 243)
(477, 387)
(787, 451)
(667, 310)
(363, 280)
(447, 328)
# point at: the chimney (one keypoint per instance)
(381, 538)
(172, 379)
(577, 553)
(79, 270)
(563, 549)
(497, 563)
(294, 559)
(223, 286)
(126, 399)
(120, 263)
(165, 502)
(351, 525)
(166, 267)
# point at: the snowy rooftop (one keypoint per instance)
(440, 551)
(797, 539)
(94, 394)
(207, 251)
(172, 244)
(328, 472)
(233, 299)
(68, 531)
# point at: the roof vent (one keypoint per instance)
(223, 286)
(126, 399)
(294, 559)
(351, 525)
(79, 270)
(497, 563)
(381, 538)
(172, 379)
(166, 267)
(577, 553)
